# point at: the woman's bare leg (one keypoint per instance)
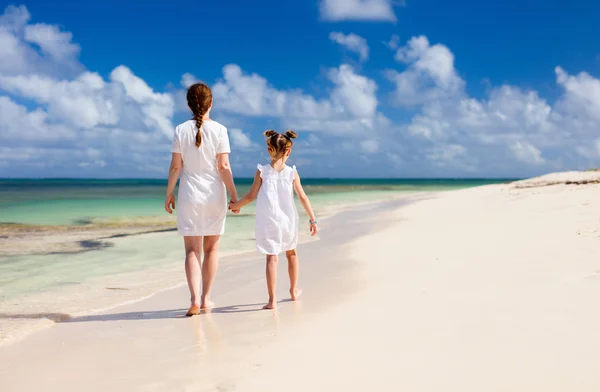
(209, 269)
(193, 246)
(271, 280)
(294, 272)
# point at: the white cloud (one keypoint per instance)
(430, 73)
(120, 122)
(369, 146)
(240, 140)
(14, 18)
(352, 42)
(187, 79)
(12, 53)
(18, 124)
(446, 153)
(353, 93)
(351, 106)
(430, 125)
(527, 152)
(364, 10)
(508, 128)
(250, 94)
(52, 41)
(582, 94)
(38, 48)
(88, 101)
(394, 42)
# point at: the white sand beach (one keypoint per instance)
(486, 289)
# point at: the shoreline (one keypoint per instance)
(41, 320)
(21, 239)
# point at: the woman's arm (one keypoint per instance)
(306, 204)
(174, 171)
(249, 198)
(227, 175)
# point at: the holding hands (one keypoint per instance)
(234, 206)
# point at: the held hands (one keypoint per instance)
(233, 206)
(170, 203)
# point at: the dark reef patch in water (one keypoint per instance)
(140, 233)
(83, 222)
(95, 245)
(56, 317)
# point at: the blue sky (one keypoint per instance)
(375, 88)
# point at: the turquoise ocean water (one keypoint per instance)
(37, 287)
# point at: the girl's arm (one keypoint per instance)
(249, 198)
(306, 204)
(226, 175)
(174, 171)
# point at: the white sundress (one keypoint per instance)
(202, 198)
(276, 214)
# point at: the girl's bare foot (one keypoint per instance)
(295, 293)
(270, 305)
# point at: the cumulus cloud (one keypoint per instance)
(38, 48)
(369, 146)
(240, 140)
(29, 127)
(526, 152)
(429, 74)
(88, 101)
(96, 121)
(363, 10)
(187, 79)
(581, 94)
(350, 107)
(446, 153)
(509, 127)
(352, 42)
(52, 41)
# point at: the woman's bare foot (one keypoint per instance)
(270, 305)
(295, 294)
(193, 311)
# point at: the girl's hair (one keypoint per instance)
(279, 143)
(199, 99)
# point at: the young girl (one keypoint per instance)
(276, 216)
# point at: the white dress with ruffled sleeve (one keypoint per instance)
(276, 214)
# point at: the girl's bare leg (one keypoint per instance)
(294, 272)
(193, 245)
(209, 269)
(271, 280)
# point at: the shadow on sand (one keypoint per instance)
(126, 316)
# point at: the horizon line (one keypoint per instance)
(250, 178)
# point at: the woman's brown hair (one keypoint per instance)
(279, 143)
(199, 99)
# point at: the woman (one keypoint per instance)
(201, 154)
